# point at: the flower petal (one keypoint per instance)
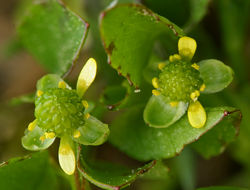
(31, 139)
(215, 74)
(187, 47)
(196, 115)
(86, 77)
(66, 156)
(161, 113)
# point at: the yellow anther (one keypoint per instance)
(77, 134)
(87, 115)
(39, 93)
(194, 95)
(197, 67)
(187, 47)
(62, 85)
(155, 82)
(202, 88)
(174, 104)
(161, 65)
(32, 125)
(85, 104)
(174, 57)
(42, 138)
(156, 92)
(49, 135)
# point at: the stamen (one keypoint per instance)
(87, 115)
(202, 88)
(156, 92)
(77, 134)
(39, 93)
(62, 85)
(161, 65)
(85, 104)
(32, 125)
(42, 138)
(197, 67)
(155, 82)
(49, 135)
(194, 95)
(175, 57)
(174, 104)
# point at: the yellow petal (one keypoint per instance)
(66, 156)
(86, 77)
(187, 47)
(196, 115)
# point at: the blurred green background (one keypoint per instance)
(222, 31)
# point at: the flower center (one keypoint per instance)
(178, 80)
(59, 110)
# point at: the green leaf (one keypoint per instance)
(94, 132)
(215, 74)
(106, 175)
(198, 9)
(27, 98)
(128, 45)
(29, 173)
(158, 172)
(221, 188)
(31, 140)
(49, 81)
(53, 34)
(113, 95)
(130, 134)
(215, 141)
(124, 96)
(160, 114)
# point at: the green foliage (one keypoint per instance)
(107, 175)
(128, 45)
(130, 134)
(32, 172)
(148, 127)
(53, 34)
(222, 188)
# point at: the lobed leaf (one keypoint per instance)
(131, 135)
(127, 44)
(29, 173)
(215, 141)
(106, 175)
(53, 34)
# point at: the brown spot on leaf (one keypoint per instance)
(110, 48)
